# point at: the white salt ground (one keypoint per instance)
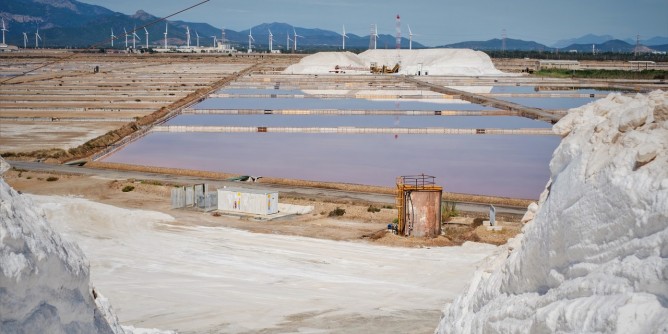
(594, 255)
(159, 274)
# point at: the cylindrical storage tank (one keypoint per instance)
(423, 213)
(254, 201)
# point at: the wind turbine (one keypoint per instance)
(134, 34)
(250, 40)
(271, 41)
(126, 37)
(37, 39)
(25, 40)
(146, 37)
(187, 37)
(214, 40)
(112, 37)
(295, 40)
(3, 32)
(287, 42)
(410, 37)
(165, 33)
(375, 36)
(197, 36)
(343, 37)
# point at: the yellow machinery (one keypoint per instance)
(384, 69)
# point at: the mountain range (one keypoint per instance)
(70, 23)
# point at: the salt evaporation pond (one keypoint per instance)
(328, 104)
(256, 91)
(385, 121)
(560, 103)
(532, 90)
(514, 166)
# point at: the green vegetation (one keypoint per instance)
(602, 74)
(372, 209)
(51, 179)
(337, 212)
(128, 188)
(152, 182)
(448, 210)
(552, 54)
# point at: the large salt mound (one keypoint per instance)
(44, 280)
(595, 258)
(324, 62)
(464, 62)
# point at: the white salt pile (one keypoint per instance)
(595, 257)
(464, 62)
(45, 280)
(44, 283)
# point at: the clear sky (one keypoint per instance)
(433, 22)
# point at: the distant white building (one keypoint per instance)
(566, 64)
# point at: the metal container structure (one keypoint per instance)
(419, 206)
(253, 201)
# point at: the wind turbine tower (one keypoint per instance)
(287, 41)
(398, 29)
(410, 37)
(295, 40)
(37, 39)
(343, 38)
(373, 41)
(135, 37)
(113, 37)
(187, 36)
(503, 40)
(126, 37)
(165, 33)
(3, 32)
(271, 41)
(250, 40)
(25, 40)
(214, 40)
(146, 31)
(197, 37)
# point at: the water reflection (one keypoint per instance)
(334, 104)
(468, 122)
(515, 166)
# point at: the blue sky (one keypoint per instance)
(433, 22)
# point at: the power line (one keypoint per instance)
(97, 45)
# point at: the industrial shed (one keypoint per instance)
(251, 201)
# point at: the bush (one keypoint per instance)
(128, 188)
(372, 209)
(337, 212)
(477, 222)
(51, 178)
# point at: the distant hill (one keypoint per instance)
(70, 23)
(586, 39)
(496, 44)
(614, 45)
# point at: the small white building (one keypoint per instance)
(253, 201)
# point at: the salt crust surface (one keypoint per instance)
(594, 253)
(464, 62)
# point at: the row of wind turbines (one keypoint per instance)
(135, 37)
(251, 39)
(38, 38)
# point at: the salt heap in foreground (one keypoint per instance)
(595, 258)
(465, 62)
(44, 280)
